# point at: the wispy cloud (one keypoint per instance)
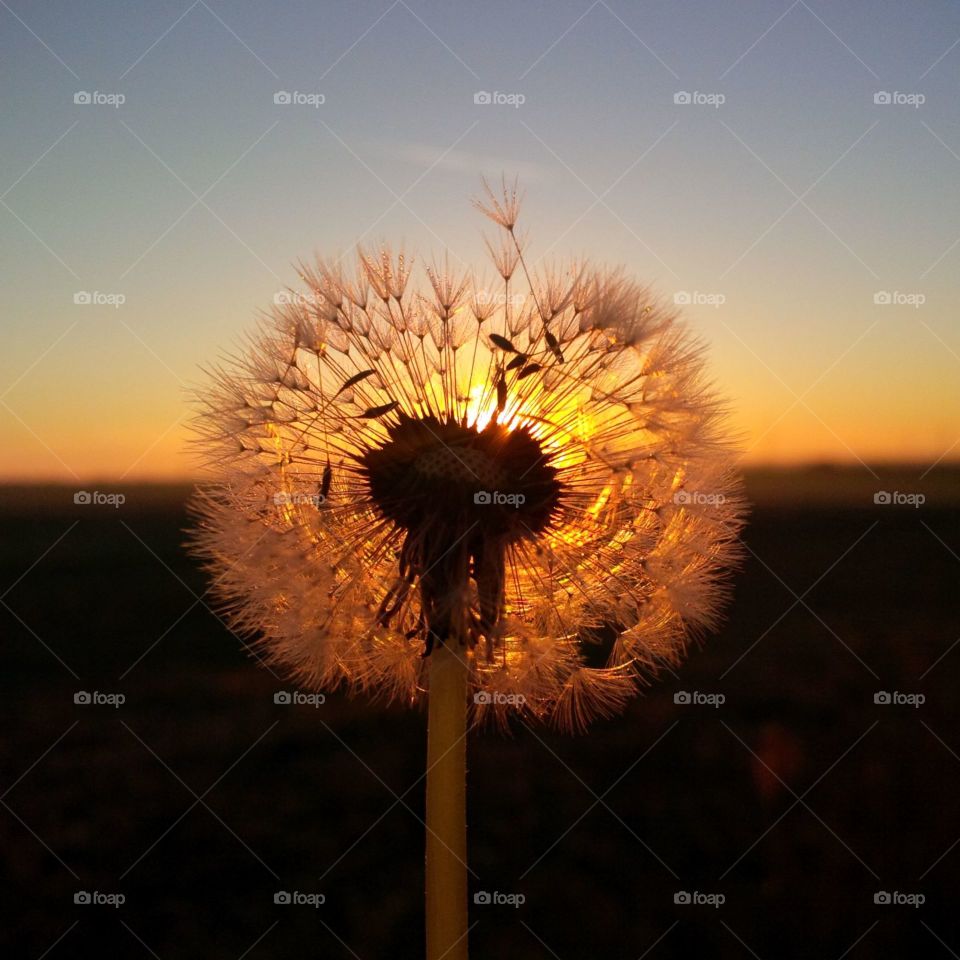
(466, 161)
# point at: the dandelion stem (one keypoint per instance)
(446, 804)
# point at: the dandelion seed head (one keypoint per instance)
(399, 459)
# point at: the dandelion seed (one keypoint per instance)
(506, 482)
(504, 254)
(503, 207)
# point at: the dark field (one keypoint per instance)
(798, 799)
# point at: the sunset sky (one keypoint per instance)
(815, 232)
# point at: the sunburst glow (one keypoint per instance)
(397, 465)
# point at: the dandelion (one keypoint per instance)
(520, 499)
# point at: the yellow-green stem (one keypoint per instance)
(447, 804)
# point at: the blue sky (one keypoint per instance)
(798, 201)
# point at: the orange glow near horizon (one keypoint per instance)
(156, 447)
(806, 232)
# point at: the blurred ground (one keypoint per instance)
(798, 799)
